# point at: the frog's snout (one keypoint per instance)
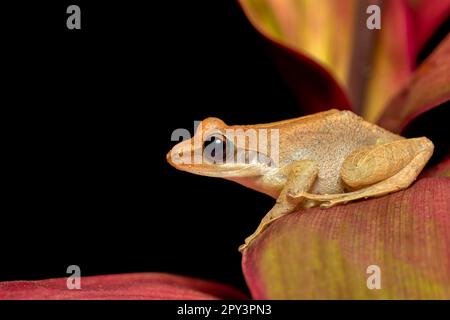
(180, 154)
(174, 156)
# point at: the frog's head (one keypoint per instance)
(218, 150)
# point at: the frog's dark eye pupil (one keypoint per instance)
(215, 148)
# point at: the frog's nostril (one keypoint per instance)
(180, 153)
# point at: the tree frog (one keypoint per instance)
(323, 159)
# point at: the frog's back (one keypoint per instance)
(328, 138)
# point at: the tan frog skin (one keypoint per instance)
(325, 159)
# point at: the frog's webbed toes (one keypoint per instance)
(294, 196)
(329, 204)
(326, 205)
(242, 247)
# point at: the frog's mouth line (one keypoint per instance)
(234, 167)
(224, 171)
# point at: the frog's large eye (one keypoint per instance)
(216, 148)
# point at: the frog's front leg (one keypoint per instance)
(300, 179)
(379, 170)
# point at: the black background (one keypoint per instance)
(88, 116)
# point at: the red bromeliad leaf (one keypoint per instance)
(392, 59)
(428, 88)
(300, 33)
(325, 254)
(440, 170)
(371, 66)
(314, 87)
(142, 286)
(318, 29)
(426, 17)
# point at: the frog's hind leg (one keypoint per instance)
(379, 170)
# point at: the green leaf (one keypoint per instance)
(324, 254)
